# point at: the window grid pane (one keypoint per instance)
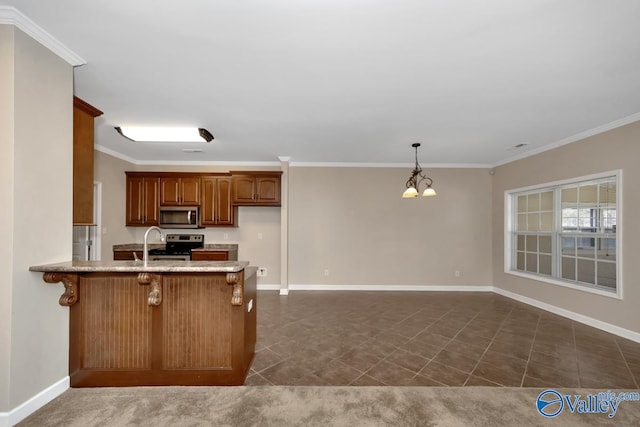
(583, 245)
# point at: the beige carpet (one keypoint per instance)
(312, 406)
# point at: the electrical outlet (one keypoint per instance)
(262, 271)
(259, 236)
(326, 272)
(457, 273)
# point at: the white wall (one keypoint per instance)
(6, 208)
(354, 223)
(41, 216)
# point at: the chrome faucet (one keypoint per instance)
(145, 253)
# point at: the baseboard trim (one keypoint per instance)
(19, 413)
(422, 288)
(589, 321)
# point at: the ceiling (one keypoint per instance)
(351, 81)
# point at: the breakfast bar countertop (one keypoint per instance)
(139, 267)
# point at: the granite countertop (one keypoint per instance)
(207, 247)
(138, 267)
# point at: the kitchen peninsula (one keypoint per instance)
(167, 323)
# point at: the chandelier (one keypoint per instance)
(416, 179)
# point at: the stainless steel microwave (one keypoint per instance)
(179, 217)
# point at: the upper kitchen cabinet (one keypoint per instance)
(217, 194)
(142, 199)
(180, 191)
(216, 208)
(83, 118)
(256, 188)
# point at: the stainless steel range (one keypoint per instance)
(178, 247)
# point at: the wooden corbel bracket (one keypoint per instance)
(233, 279)
(155, 294)
(70, 281)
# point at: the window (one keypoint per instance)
(566, 233)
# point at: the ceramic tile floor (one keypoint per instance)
(431, 339)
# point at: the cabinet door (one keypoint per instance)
(268, 190)
(208, 206)
(179, 191)
(226, 212)
(256, 189)
(169, 191)
(243, 189)
(209, 256)
(142, 201)
(190, 191)
(216, 208)
(151, 192)
(126, 255)
(135, 201)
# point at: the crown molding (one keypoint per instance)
(115, 154)
(121, 156)
(206, 163)
(574, 138)
(9, 15)
(390, 165)
(136, 162)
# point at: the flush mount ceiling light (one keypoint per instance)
(164, 134)
(416, 179)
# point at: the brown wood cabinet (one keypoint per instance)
(126, 255)
(180, 191)
(215, 207)
(217, 194)
(162, 328)
(256, 188)
(210, 256)
(142, 200)
(83, 130)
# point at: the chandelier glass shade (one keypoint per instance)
(418, 177)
